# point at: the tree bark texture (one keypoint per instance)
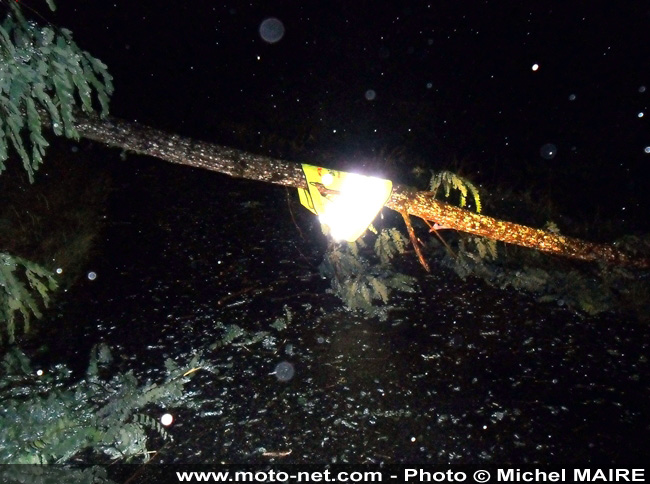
(240, 164)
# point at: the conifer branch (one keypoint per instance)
(414, 241)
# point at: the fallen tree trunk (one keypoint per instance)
(185, 151)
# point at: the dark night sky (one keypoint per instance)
(452, 79)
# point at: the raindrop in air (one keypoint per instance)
(92, 275)
(370, 94)
(572, 97)
(271, 30)
(647, 149)
(284, 371)
(548, 151)
(642, 89)
(429, 85)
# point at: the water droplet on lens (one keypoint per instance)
(271, 30)
(548, 151)
(284, 371)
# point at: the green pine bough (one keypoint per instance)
(49, 419)
(42, 70)
(43, 74)
(22, 283)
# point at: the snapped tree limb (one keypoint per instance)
(405, 200)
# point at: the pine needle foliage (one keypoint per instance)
(234, 335)
(43, 73)
(22, 283)
(473, 257)
(361, 285)
(389, 243)
(48, 419)
(485, 247)
(53, 474)
(449, 181)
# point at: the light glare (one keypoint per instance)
(361, 197)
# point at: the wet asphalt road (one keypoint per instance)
(459, 373)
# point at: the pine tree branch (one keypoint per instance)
(240, 164)
(414, 241)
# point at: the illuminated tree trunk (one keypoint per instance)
(185, 151)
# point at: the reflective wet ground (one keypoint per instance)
(459, 372)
